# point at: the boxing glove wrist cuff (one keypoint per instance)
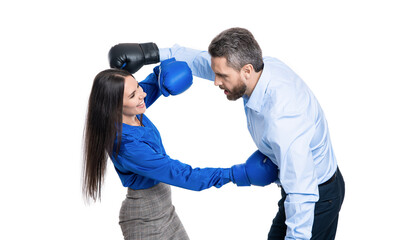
(239, 175)
(151, 52)
(226, 175)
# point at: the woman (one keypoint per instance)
(116, 127)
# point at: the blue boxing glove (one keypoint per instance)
(258, 170)
(174, 77)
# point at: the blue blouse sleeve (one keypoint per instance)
(142, 159)
(151, 88)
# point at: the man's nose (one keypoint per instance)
(217, 82)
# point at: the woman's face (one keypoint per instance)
(133, 99)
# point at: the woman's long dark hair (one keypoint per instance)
(103, 124)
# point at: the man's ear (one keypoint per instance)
(247, 70)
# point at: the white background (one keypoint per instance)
(346, 51)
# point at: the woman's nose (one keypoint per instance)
(143, 95)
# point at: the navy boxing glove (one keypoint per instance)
(174, 77)
(258, 170)
(132, 56)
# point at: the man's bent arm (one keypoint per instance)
(199, 61)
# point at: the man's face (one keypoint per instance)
(228, 79)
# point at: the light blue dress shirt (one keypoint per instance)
(288, 125)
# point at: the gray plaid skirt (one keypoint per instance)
(148, 214)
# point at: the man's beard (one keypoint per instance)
(237, 92)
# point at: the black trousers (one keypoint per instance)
(326, 214)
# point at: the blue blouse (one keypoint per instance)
(142, 161)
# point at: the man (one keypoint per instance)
(284, 119)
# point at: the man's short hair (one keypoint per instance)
(239, 47)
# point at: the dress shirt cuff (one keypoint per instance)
(164, 53)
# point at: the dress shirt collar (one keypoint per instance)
(255, 101)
